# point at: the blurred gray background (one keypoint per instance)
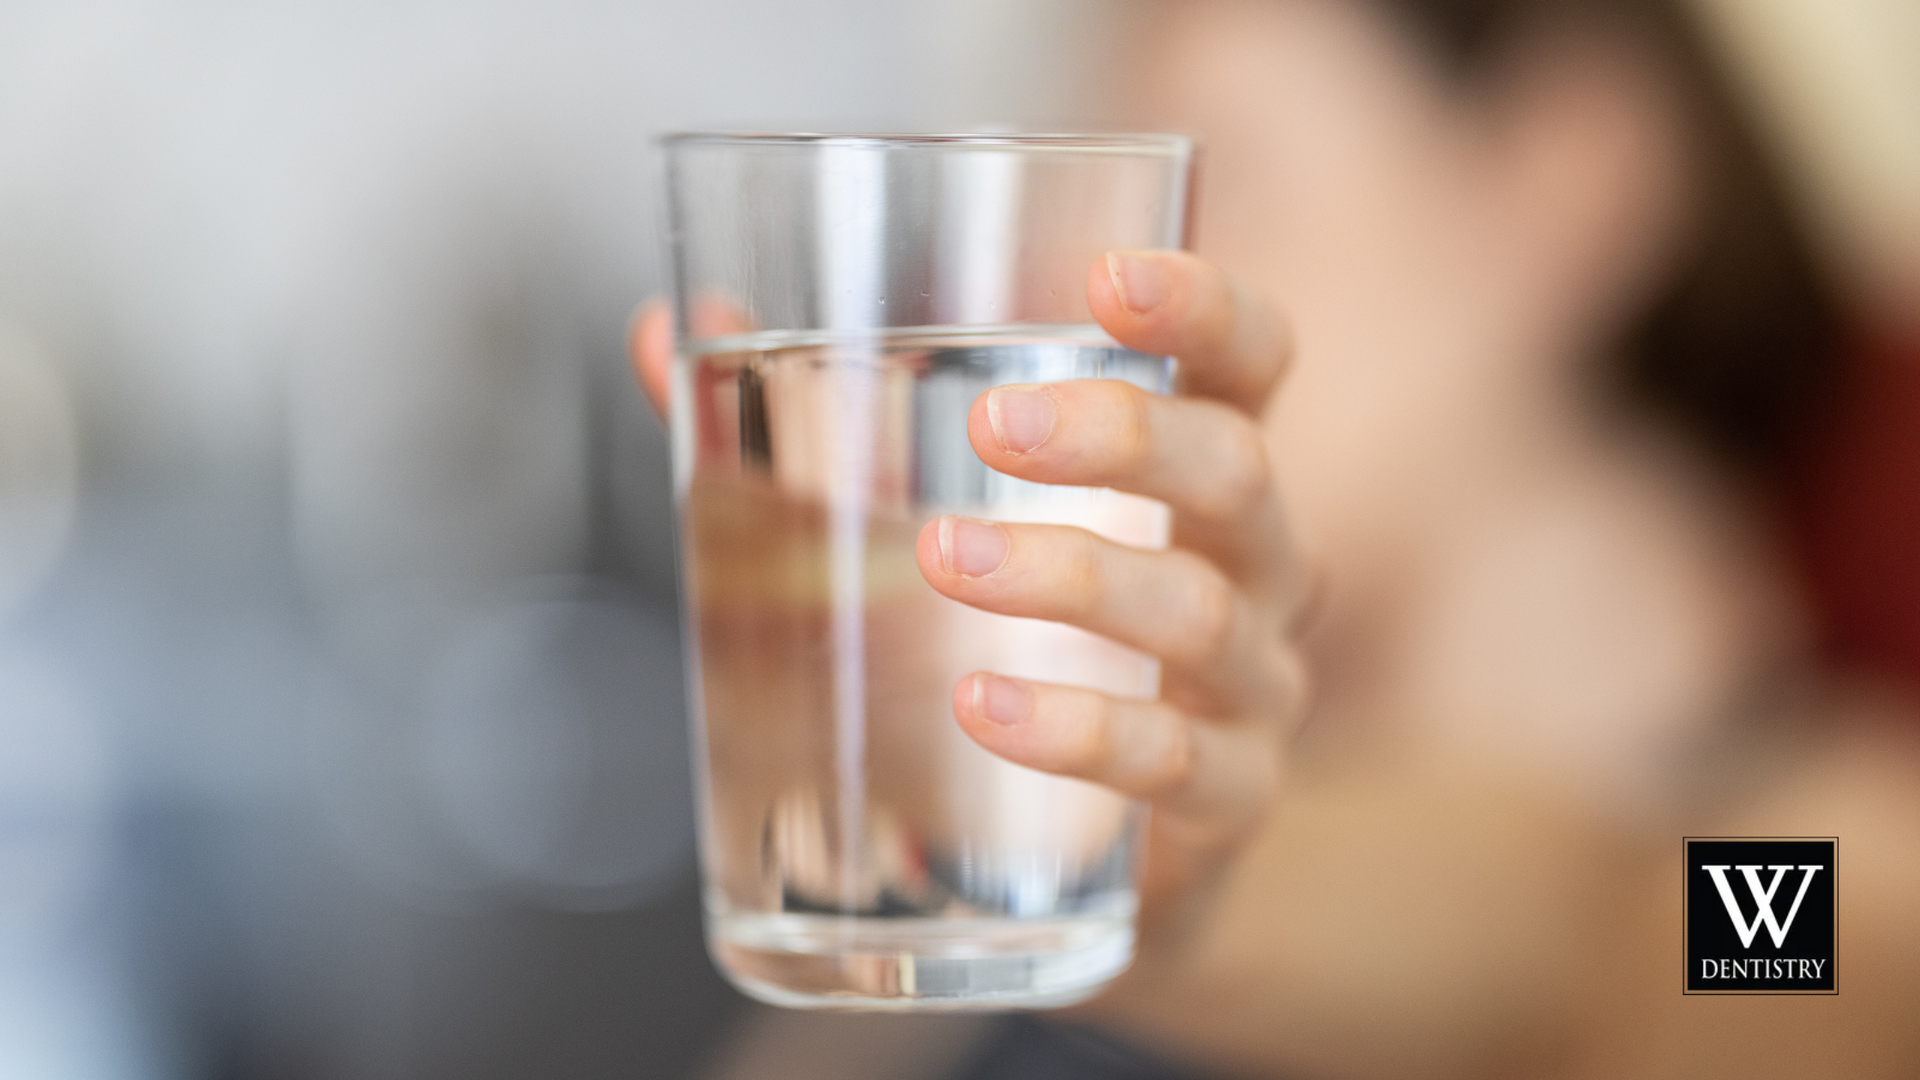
(341, 726)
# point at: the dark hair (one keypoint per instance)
(1741, 346)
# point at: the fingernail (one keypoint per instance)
(971, 548)
(1002, 701)
(1141, 283)
(1022, 418)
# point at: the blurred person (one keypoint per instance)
(1550, 340)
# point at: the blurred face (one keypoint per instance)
(1449, 262)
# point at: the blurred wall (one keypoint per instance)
(341, 730)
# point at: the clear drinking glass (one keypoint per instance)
(840, 303)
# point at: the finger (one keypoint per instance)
(650, 339)
(1148, 750)
(1204, 459)
(1200, 457)
(650, 346)
(1172, 604)
(1232, 344)
(715, 316)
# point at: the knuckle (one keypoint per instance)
(1244, 474)
(1060, 575)
(1081, 584)
(1170, 765)
(1111, 424)
(1219, 317)
(1092, 751)
(1212, 616)
(1131, 428)
(1266, 329)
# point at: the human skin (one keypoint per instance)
(1552, 640)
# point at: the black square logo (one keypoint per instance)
(1759, 914)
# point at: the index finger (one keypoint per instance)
(650, 339)
(650, 347)
(1232, 344)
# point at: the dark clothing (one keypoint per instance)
(1027, 1048)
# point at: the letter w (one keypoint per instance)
(1761, 897)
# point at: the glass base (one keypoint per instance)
(920, 965)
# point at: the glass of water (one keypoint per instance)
(840, 303)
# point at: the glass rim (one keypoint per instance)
(1103, 143)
